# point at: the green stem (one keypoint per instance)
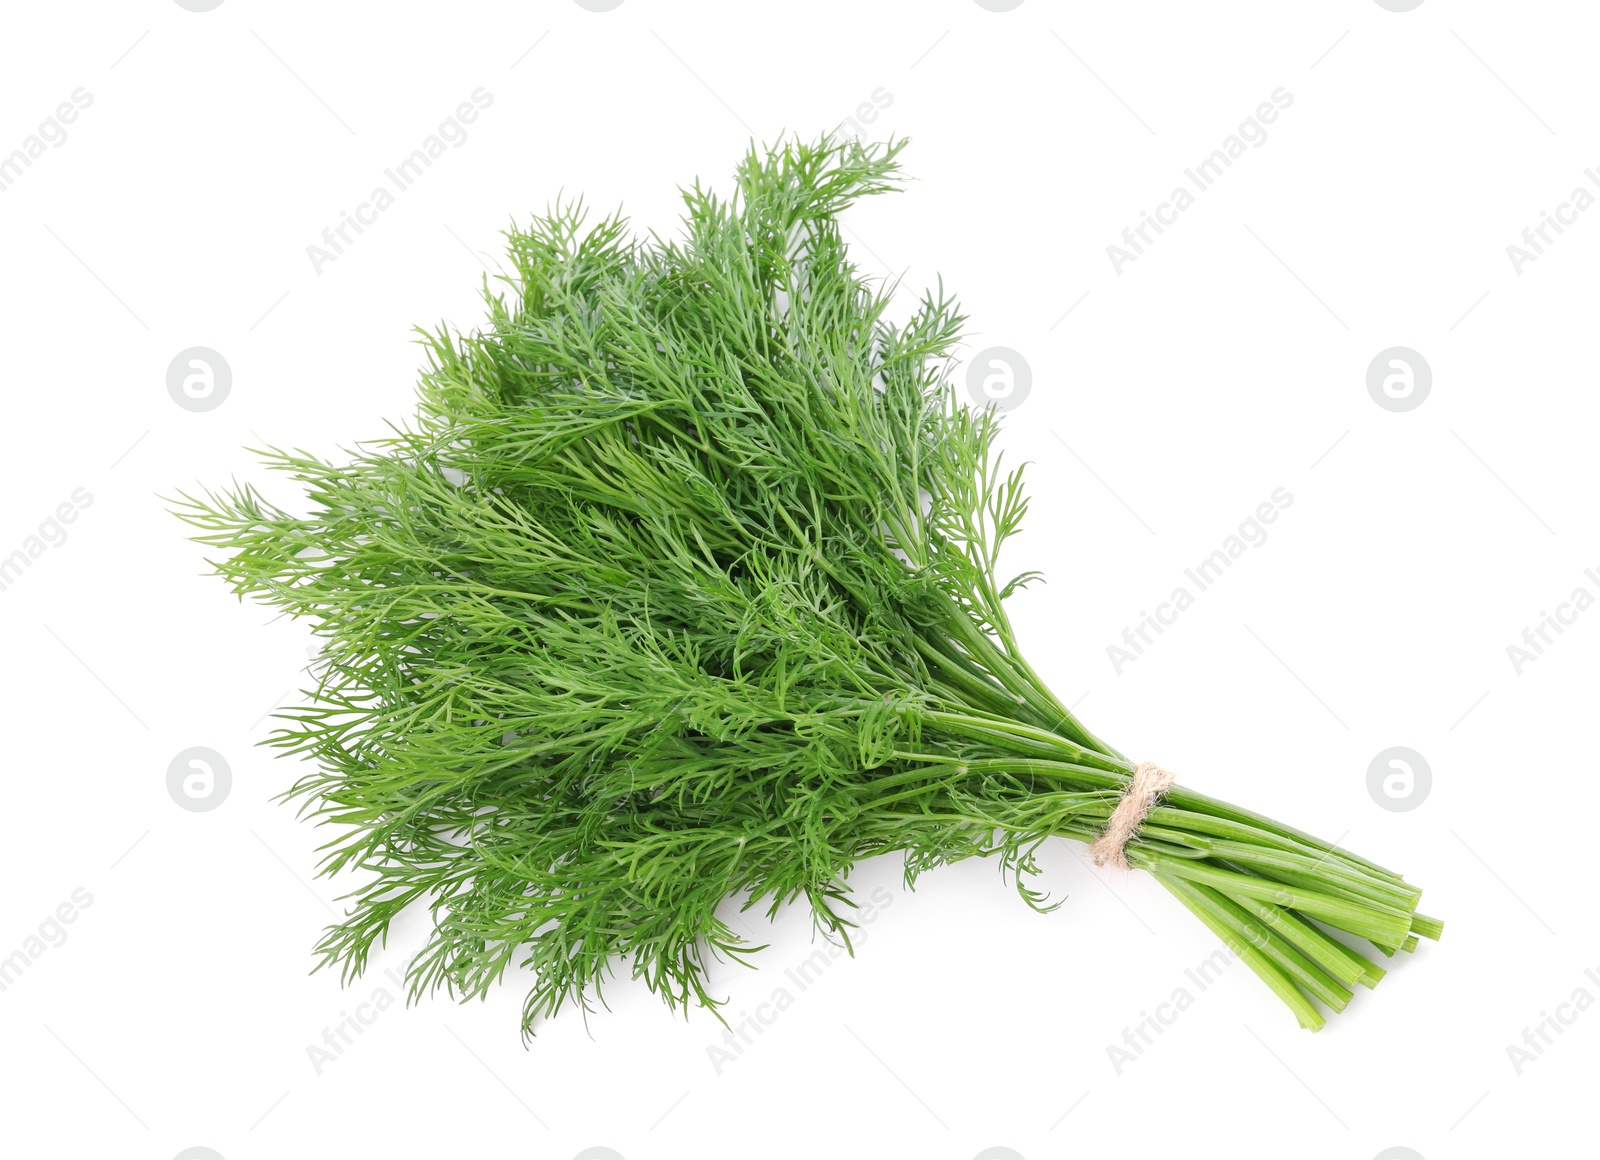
(1186, 893)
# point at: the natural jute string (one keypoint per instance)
(1149, 782)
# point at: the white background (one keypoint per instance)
(1228, 360)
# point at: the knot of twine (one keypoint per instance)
(1149, 782)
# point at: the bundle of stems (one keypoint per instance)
(681, 586)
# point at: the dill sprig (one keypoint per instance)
(682, 585)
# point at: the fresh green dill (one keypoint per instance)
(681, 586)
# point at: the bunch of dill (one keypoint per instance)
(681, 586)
